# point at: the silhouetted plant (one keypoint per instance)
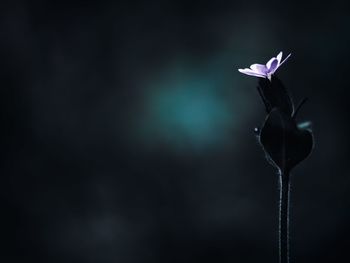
(285, 142)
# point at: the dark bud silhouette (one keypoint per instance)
(275, 95)
(285, 142)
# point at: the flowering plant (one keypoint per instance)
(285, 142)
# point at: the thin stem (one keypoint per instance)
(266, 104)
(284, 217)
(299, 107)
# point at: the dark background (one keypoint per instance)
(127, 132)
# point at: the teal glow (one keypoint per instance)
(186, 109)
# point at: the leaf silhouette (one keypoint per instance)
(284, 143)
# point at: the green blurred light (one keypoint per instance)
(202, 102)
(188, 112)
(187, 108)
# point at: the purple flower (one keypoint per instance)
(265, 71)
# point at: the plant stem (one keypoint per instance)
(284, 217)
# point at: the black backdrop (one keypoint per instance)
(127, 132)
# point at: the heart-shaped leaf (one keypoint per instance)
(284, 143)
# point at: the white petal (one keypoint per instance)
(269, 63)
(250, 72)
(279, 57)
(280, 64)
(273, 65)
(285, 59)
(259, 68)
